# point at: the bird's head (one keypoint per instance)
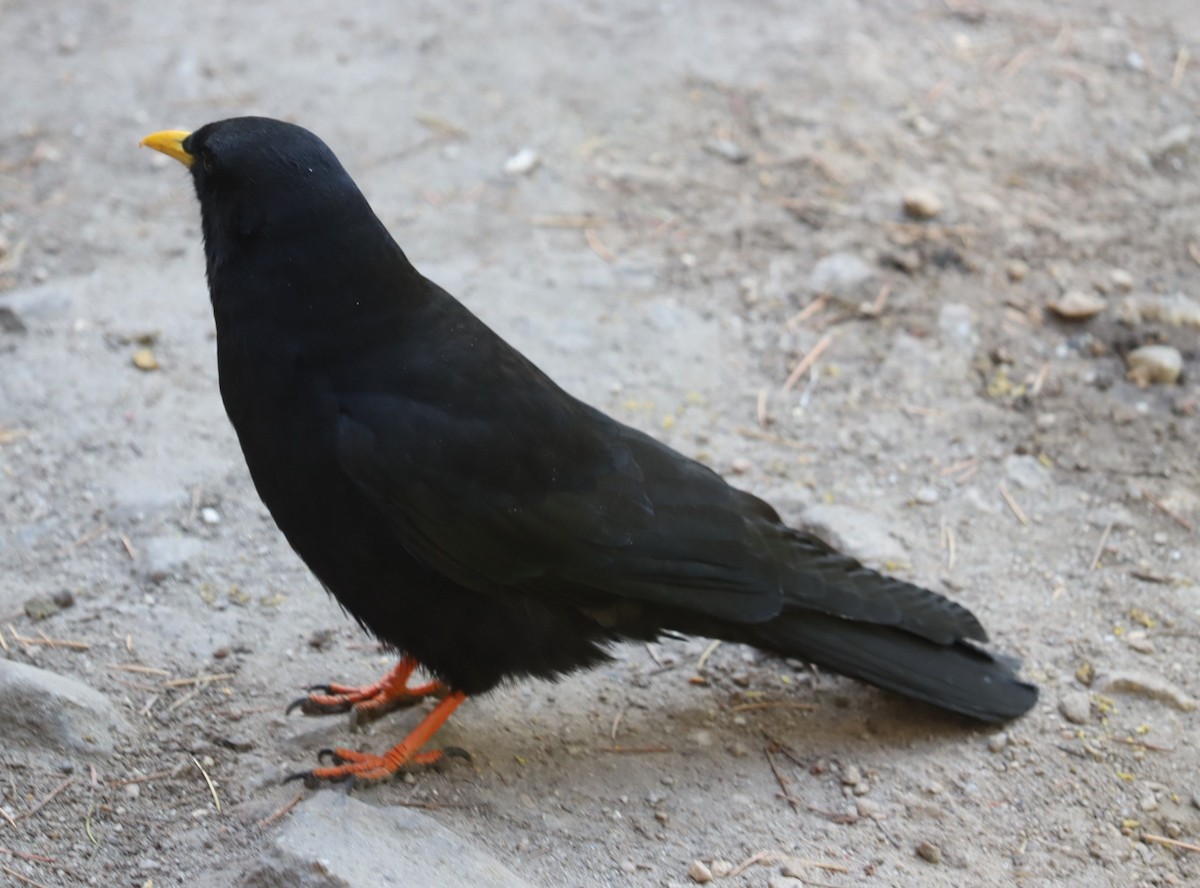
(258, 178)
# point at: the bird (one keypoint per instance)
(475, 517)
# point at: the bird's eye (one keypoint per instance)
(206, 161)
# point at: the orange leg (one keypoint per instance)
(369, 702)
(348, 764)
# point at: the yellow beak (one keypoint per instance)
(170, 143)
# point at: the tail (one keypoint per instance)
(888, 632)
(957, 676)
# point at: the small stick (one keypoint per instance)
(87, 825)
(1040, 380)
(8, 817)
(1012, 504)
(807, 312)
(961, 466)
(1181, 63)
(141, 670)
(211, 787)
(794, 803)
(634, 750)
(780, 704)
(129, 550)
(1194, 252)
(25, 855)
(97, 531)
(760, 857)
(760, 409)
(807, 361)
(785, 749)
(875, 309)
(1179, 519)
(948, 543)
(3, 643)
(1173, 843)
(20, 878)
(597, 245)
(186, 698)
(281, 810)
(565, 221)
(708, 652)
(49, 642)
(49, 797)
(760, 435)
(654, 655)
(616, 724)
(198, 679)
(1100, 546)
(144, 778)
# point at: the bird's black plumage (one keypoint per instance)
(470, 512)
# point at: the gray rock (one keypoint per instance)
(1026, 472)
(841, 275)
(1076, 707)
(336, 841)
(857, 533)
(163, 557)
(43, 710)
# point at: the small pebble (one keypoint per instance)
(1017, 270)
(1154, 365)
(209, 515)
(927, 496)
(699, 872)
(1076, 707)
(1121, 279)
(144, 359)
(852, 776)
(628, 867)
(522, 163)
(727, 150)
(1076, 305)
(740, 465)
(739, 749)
(868, 808)
(721, 868)
(133, 790)
(997, 742)
(63, 598)
(1196, 801)
(921, 203)
(929, 851)
(934, 788)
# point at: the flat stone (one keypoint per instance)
(1076, 707)
(841, 275)
(163, 557)
(335, 841)
(858, 533)
(44, 710)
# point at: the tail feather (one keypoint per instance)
(957, 676)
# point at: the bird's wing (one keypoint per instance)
(549, 496)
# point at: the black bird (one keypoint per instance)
(469, 512)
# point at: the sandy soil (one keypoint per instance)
(696, 162)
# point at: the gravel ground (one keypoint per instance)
(974, 215)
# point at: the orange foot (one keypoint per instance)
(364, 766)
(369, 702)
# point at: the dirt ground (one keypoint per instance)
(694, 162)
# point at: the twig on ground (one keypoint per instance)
(211, 786)
(1152, 499)
(1012, 504)
(807, 361)
(46, 799)
(1170, 843)
(281, 811)
(1100, 546)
